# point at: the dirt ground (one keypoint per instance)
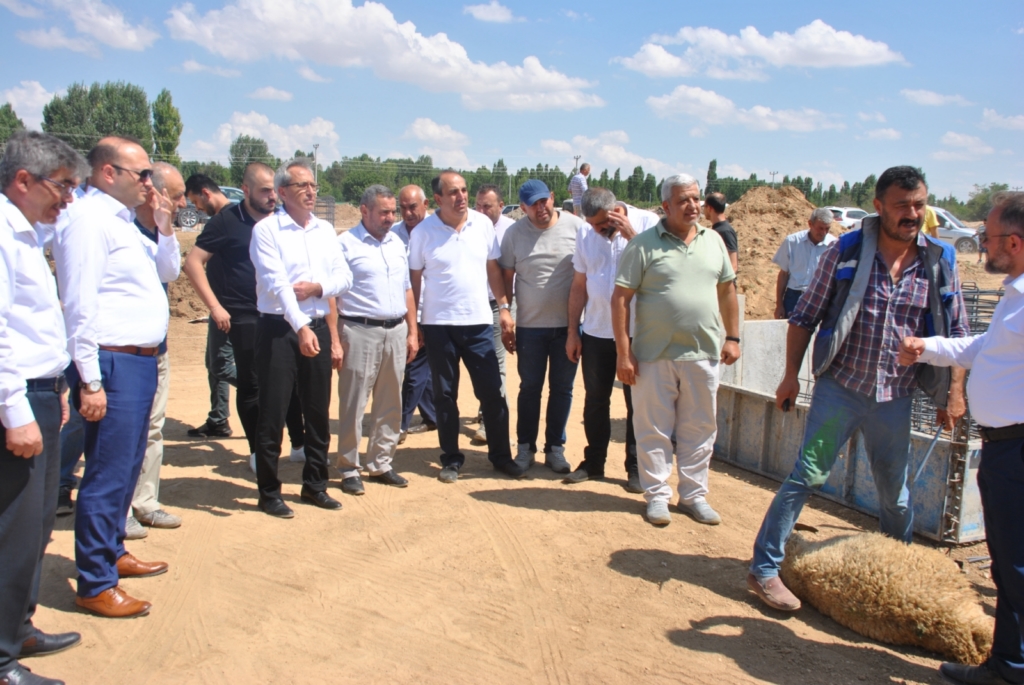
(488, 580)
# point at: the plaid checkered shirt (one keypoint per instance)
(867, 361)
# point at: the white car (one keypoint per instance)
(954, 232)
(848, 217)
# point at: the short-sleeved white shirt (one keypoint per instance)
(598, 259)
(798, 256)
(380, 275)
(454, 266)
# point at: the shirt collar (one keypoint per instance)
(360, 232)
(1015, 283)
(285, 220)
(662, 231)
(14, 216)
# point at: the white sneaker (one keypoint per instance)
(555, 460)
(252, 462)
(701, 512)
(133, 530)
(524, 456)
(298, 454)
(658, 514)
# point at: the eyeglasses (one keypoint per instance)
(308, 185)
(984, 236)
(66, 188)
(143, 175)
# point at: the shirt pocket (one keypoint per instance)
(913, 292)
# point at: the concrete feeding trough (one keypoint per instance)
(755, 436)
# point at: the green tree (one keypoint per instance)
(616, 185)
(167, 129)
(247, 149)
(712, 184)
(9, 122)
(218, 172)
(84, 115)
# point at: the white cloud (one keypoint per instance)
(271, 93)
(193, 67)
(883, 134)
(743, 56)
(871, 116)
(443, 143)
(448, 159)
(28, 99)
(608, 150)
(715, 109)
(55, 39)
(493, 11)
(336, 33)
(932, 99)
(22, 9)
(283, 141)
(106, 24)
(556, 147)
(306, 72)
(963, 148)
(992, 119)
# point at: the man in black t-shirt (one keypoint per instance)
(714, 211)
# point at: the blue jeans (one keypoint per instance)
(790, 299)
(418, 390)
(835, 414)
(535, 348)
(72, 445)
(1001, 484)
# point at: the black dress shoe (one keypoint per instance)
(510, 468)
(352, 485)
(209, 430)
(19, 675)
(276, 507)
(41, 644)
(424, 427)
(390, 478)
(65, 505)
(320, 499)
(633, 482)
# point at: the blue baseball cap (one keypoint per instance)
(533, 190)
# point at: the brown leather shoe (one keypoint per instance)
(114, 603)
(130, 567)
(773, 592)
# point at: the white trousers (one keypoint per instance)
(374, 363)
(675, 397)
(147, 489)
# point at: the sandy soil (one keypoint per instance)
(485, 581)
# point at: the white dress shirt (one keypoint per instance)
(110, 281)
(597, 258)
(454, 266)
(995, 388)
(33, 343)
(380, 275)
(284, 254)
(799, 257)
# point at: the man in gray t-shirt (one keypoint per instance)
(536, 254)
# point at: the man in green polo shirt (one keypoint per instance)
(685, 290)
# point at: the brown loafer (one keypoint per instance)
(130, 567)
(773, 592)
(114, 603)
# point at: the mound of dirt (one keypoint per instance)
(346, 216)
(181, 296)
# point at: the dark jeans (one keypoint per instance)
(536, 348)
(474, 345)
(114, 449)
(280, 367)
(220, 373)
(28, 505)
(418, 390)
(1001, 483)
(599, 361)
(790, 299)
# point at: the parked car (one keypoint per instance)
(233, 194)
(848, 217)
(190, 215)
(954, 232)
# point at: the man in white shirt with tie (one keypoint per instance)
(116, 314)
(38, 175)
(994, 393)
(377, 325)
(299, 269)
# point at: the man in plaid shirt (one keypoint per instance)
(905, 286)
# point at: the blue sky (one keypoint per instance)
(831, 90)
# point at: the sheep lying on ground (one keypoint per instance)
(891, 592)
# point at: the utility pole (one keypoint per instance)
(576, 164)
(774, 174)
(315, 146)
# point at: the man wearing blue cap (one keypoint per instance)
(536, 254)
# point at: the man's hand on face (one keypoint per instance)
(619, 223)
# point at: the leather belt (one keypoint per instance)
(379, 323)
(1005, 433)
(55, 384)
(313, 324)
(132, 349)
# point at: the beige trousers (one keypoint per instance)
(147, 489)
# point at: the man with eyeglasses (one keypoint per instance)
(37, 175)
(116, 314)
(996, 361)
(299, 270)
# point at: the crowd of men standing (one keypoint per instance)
(650, 301)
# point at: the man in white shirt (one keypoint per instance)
(578, 186)
(450, 253)
(377, 325)
(299, 270)
(490, 203)
(116, 314)
(38, 174)
(996, 361)
(599, 245)
(797, 259)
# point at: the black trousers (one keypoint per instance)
(599, 363)
(28, 505)
(280, 369)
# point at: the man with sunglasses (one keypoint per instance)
(996, 361)
(116, 314)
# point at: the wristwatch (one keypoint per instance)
(732, 339)
(504, 306)
(93, 386)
